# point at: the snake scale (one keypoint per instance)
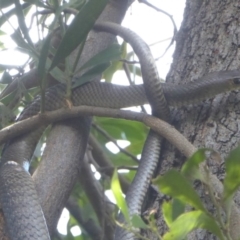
(22, 210)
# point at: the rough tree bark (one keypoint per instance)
(208, 41)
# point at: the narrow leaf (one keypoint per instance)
(6, 114)
(190, 221)
(6, 78)
(138, 222)
(190, 169)
(79, 29)
(43, 57)
(109, 54)
(57, 73)
(117, 192)
(167, 212)
(116, 65)
(232, 179)
(9, 98)
(172, 210)
(90, 75)
(177, 186)
(17, 38)
(21, 21)
(178, 208)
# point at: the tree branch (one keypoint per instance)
(161, 127)
(107, 136)
(89, 225)
(104, 162)
(99, 201)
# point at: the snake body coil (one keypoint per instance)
(18, 152)
(151, 151)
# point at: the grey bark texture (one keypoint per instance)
(52, 208)
(207, 41)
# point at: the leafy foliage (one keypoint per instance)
(178, 186)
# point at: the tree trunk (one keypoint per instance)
(208, 41)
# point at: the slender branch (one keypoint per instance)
(111, 139)
(104, 163)
(89, 225)
(98, 200)
(172, 20)
(129, 62)
(161, 127)
(162, 11)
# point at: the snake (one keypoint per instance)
(151, 150)
(18, 197)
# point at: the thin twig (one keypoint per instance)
(89, 224)
(97, 198)
(111, 139)
(129, 62)
(172, 20)
(104, 164)
(162, 11)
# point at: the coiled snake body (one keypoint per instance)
(17, 193)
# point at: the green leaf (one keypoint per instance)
(190, 221)
(41, 70)
(122, 129)
(138, 222)
(90, 75)
(8, 14)
(232, 179)
(167, 213)
(9, 98)
(6, 114)
(135, 70)
(79, 29)
(6, 78)
(190, 169)
(117, 192)
(57, 73)
(108, 74)
(172, 210)
(109, 54)
(2, 46)
(177, 186)
(21, 22)
(178, 208)
(22, 45)
(2, 33)
(116, 65)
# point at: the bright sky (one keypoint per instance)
(151, 25)
(154, 27)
